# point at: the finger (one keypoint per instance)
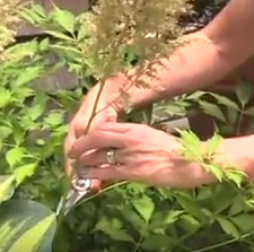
(117, 127)
(99, 157)
(97, 140)
(70, 139)
(106, 173)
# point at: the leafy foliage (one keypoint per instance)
(123, 216)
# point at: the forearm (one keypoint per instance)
(231, 152)
(197, 64)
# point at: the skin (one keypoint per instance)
(151, 156)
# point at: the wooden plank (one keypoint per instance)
(76, 7)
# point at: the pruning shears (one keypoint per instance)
(80, 186)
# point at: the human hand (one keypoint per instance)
(78, 125)
(141, 154)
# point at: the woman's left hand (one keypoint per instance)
(141, 153)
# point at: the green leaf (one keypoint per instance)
(237, 205)
(144, 206)
(249, 111)
(228, 227)
(54, 119)
(34, 112)
(7, 187)
(113, 228)
(4, 132)
(162, 219)
(26, 226)
(223, 100)
(244, 92)
(59, 35)
(244, 222)
(213, 110)
(24, 171)
(157, 242)
(232, 116)
(191, 208)
(191, 144)
(213, 143)
(64, 18)
(13, 156)
(34, 14)
(82, 33)
(5, 97)
(26, 76)
(215, 171)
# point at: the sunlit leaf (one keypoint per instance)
(26, 76)
(13, 156)
(64, 18)
(24, 171)
(228, 227)
(26, 226)
(144, 206)
(7, 187)
(212, 144)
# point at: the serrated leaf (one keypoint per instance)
(64, 18)
(157, 242)
(191, 145)
(82, 33)
(144, 206)
(237, 205)
(7, 187)
(58, 35)
(5, 97)
(5, 132)
(223, 100)
(228, 227)
(215, 171)
(24, 171)
(26, 76)
(244, 92)
(54, 119)
(34, 112)
(213, 110)
(162, 219)
(113, 228)
(191, 208)
(196, 95)
(13, 156)
(244, 222)
(213, 143)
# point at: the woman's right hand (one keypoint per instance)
(79, 123)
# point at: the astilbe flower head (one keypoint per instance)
(8, 25)
(137, 26)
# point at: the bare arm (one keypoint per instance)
(228, 42)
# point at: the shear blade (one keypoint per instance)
(65, 206)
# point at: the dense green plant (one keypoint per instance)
(123, 216)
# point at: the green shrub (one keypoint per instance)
(123, 216)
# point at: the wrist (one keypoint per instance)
(227, 156)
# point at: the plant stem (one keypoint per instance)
(238, 126)
(109, 188)
(221, 244)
